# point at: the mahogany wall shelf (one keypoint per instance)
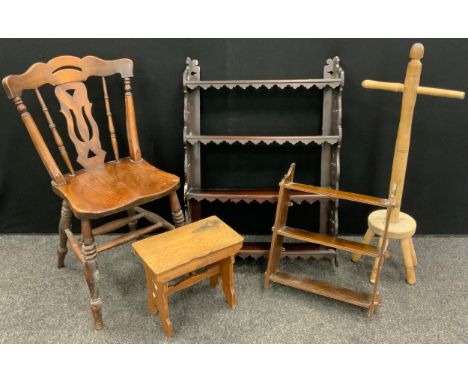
(329, 141)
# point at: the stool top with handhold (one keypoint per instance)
(189, 243)
(403, 228)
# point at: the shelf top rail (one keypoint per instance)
(333, 77)
(266, 139)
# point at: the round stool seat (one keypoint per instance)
(403, 228)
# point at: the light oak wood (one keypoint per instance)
(184, 252)
(402, 226)
(421, 90)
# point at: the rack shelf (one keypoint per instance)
(329, 141)
(248, 195)
(266, 139)
(268, 84)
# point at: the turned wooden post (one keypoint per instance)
(110, 121)
(55, 133)
(91, 273)
(132, 134)
(39, 143)
(177, 213)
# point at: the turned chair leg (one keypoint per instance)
(91, 273)
(65, 223)
(132, 226)
(366, 240)
(177, 213)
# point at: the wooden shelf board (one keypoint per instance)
(248, 195)
(330, 241)
(282, 84)
(266, 139)
(380, 202)
(303, 250)
(322, 288)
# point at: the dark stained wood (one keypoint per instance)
(75, 106)
(323, 288)
(280, 230)
(351, 196)
(330, 241)
(247, 195)
(110, 121)
(63, 69)
(115, 187)
(100, 188)
(127, 237)
(55, 134)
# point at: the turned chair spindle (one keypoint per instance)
(110, 121)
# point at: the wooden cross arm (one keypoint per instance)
(397, 87)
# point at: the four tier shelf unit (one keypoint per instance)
(330, 141)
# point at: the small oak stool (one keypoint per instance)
(206, 243)
(403, 229)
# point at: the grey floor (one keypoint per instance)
(42, 304)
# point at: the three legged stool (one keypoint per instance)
(208, 243)
(403, 229)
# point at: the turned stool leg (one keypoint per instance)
(177, 213)
(132, 226)
(227, 278)
(407, 259)
(150, 291)
(65, 223)
(376, 263)
(163, 307)
(91, 272)
(366, 240)
(413, 253)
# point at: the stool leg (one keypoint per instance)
(406, 249)
(413, 253)
(214, 281)
(227, 278)
(150, 291)
(163, 307)
(366, 240)
(376, 263)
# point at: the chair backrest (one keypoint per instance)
(67, 75)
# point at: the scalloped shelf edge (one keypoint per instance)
(307, 85)
(267, 141)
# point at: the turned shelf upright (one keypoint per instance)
(330, 141)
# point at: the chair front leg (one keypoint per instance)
(91, 273)
(65, 222)
(177, 213)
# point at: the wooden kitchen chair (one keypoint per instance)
(99, 188)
